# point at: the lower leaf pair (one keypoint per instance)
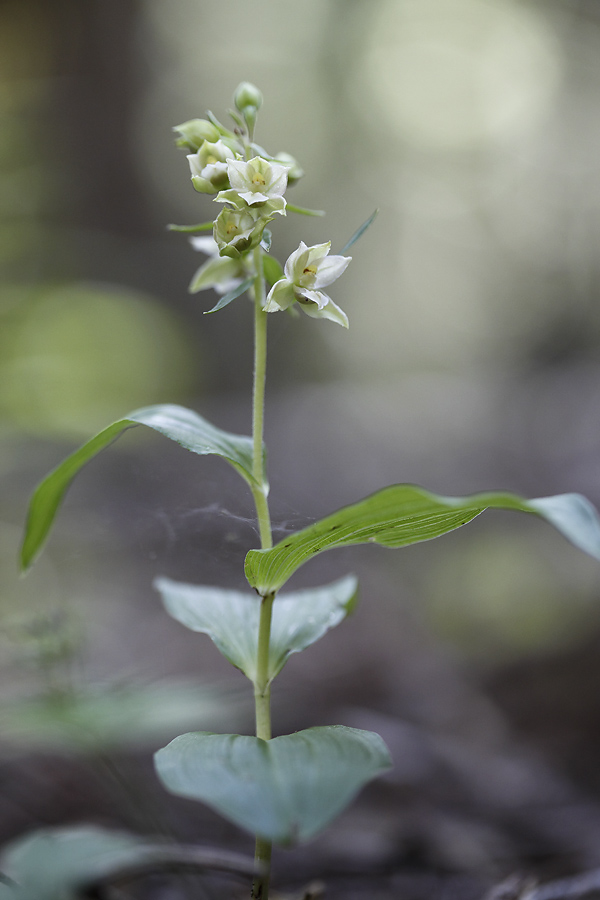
(283, 790)
(289, 788)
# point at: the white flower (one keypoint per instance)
(221, 273)
(307, 270)
(209, 167)
(238, 230)
(257, 180)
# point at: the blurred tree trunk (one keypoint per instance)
(91, 110)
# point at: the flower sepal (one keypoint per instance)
(281, 296)
(220, 273)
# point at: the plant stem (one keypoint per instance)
(262, 703)
(258, 404)
(262, 690)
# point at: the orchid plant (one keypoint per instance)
(288, 788)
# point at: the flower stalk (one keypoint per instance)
(262, 688)
(258, 404)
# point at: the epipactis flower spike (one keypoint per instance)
(307, 270)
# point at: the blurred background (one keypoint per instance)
(471, 363)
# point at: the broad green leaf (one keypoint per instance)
(301, 210)
(192, 229)
(177, 423)
(230, 618)
(404, 514)
(98, 718)
(272, 269)
(232, 295)
(52, 864)
(359, 232)
(62, 863)
(285, 790)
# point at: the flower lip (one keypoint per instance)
(205, 244)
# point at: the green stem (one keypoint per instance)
(258, 404)
(262, 690)
(262, 857)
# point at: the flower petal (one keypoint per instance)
(232, 197)
(195, 164)
(296, 262)
(215, 172)
(218, 272)
(312, 298)
(278, 183)
(203, 186)
(321, 308)
(237, 170)
(274, 205)
(205, 244)
(330, 269)
(253, 197)
(281, 296)
(317, 253)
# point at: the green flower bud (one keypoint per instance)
(247, 95)
(195, 132)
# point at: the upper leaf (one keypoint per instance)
(285, 790)
(406, 514)
(228, 298)
(359, 232)
(231, 618)
(182, 425)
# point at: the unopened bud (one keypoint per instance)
(247, 95)
(195, 132)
